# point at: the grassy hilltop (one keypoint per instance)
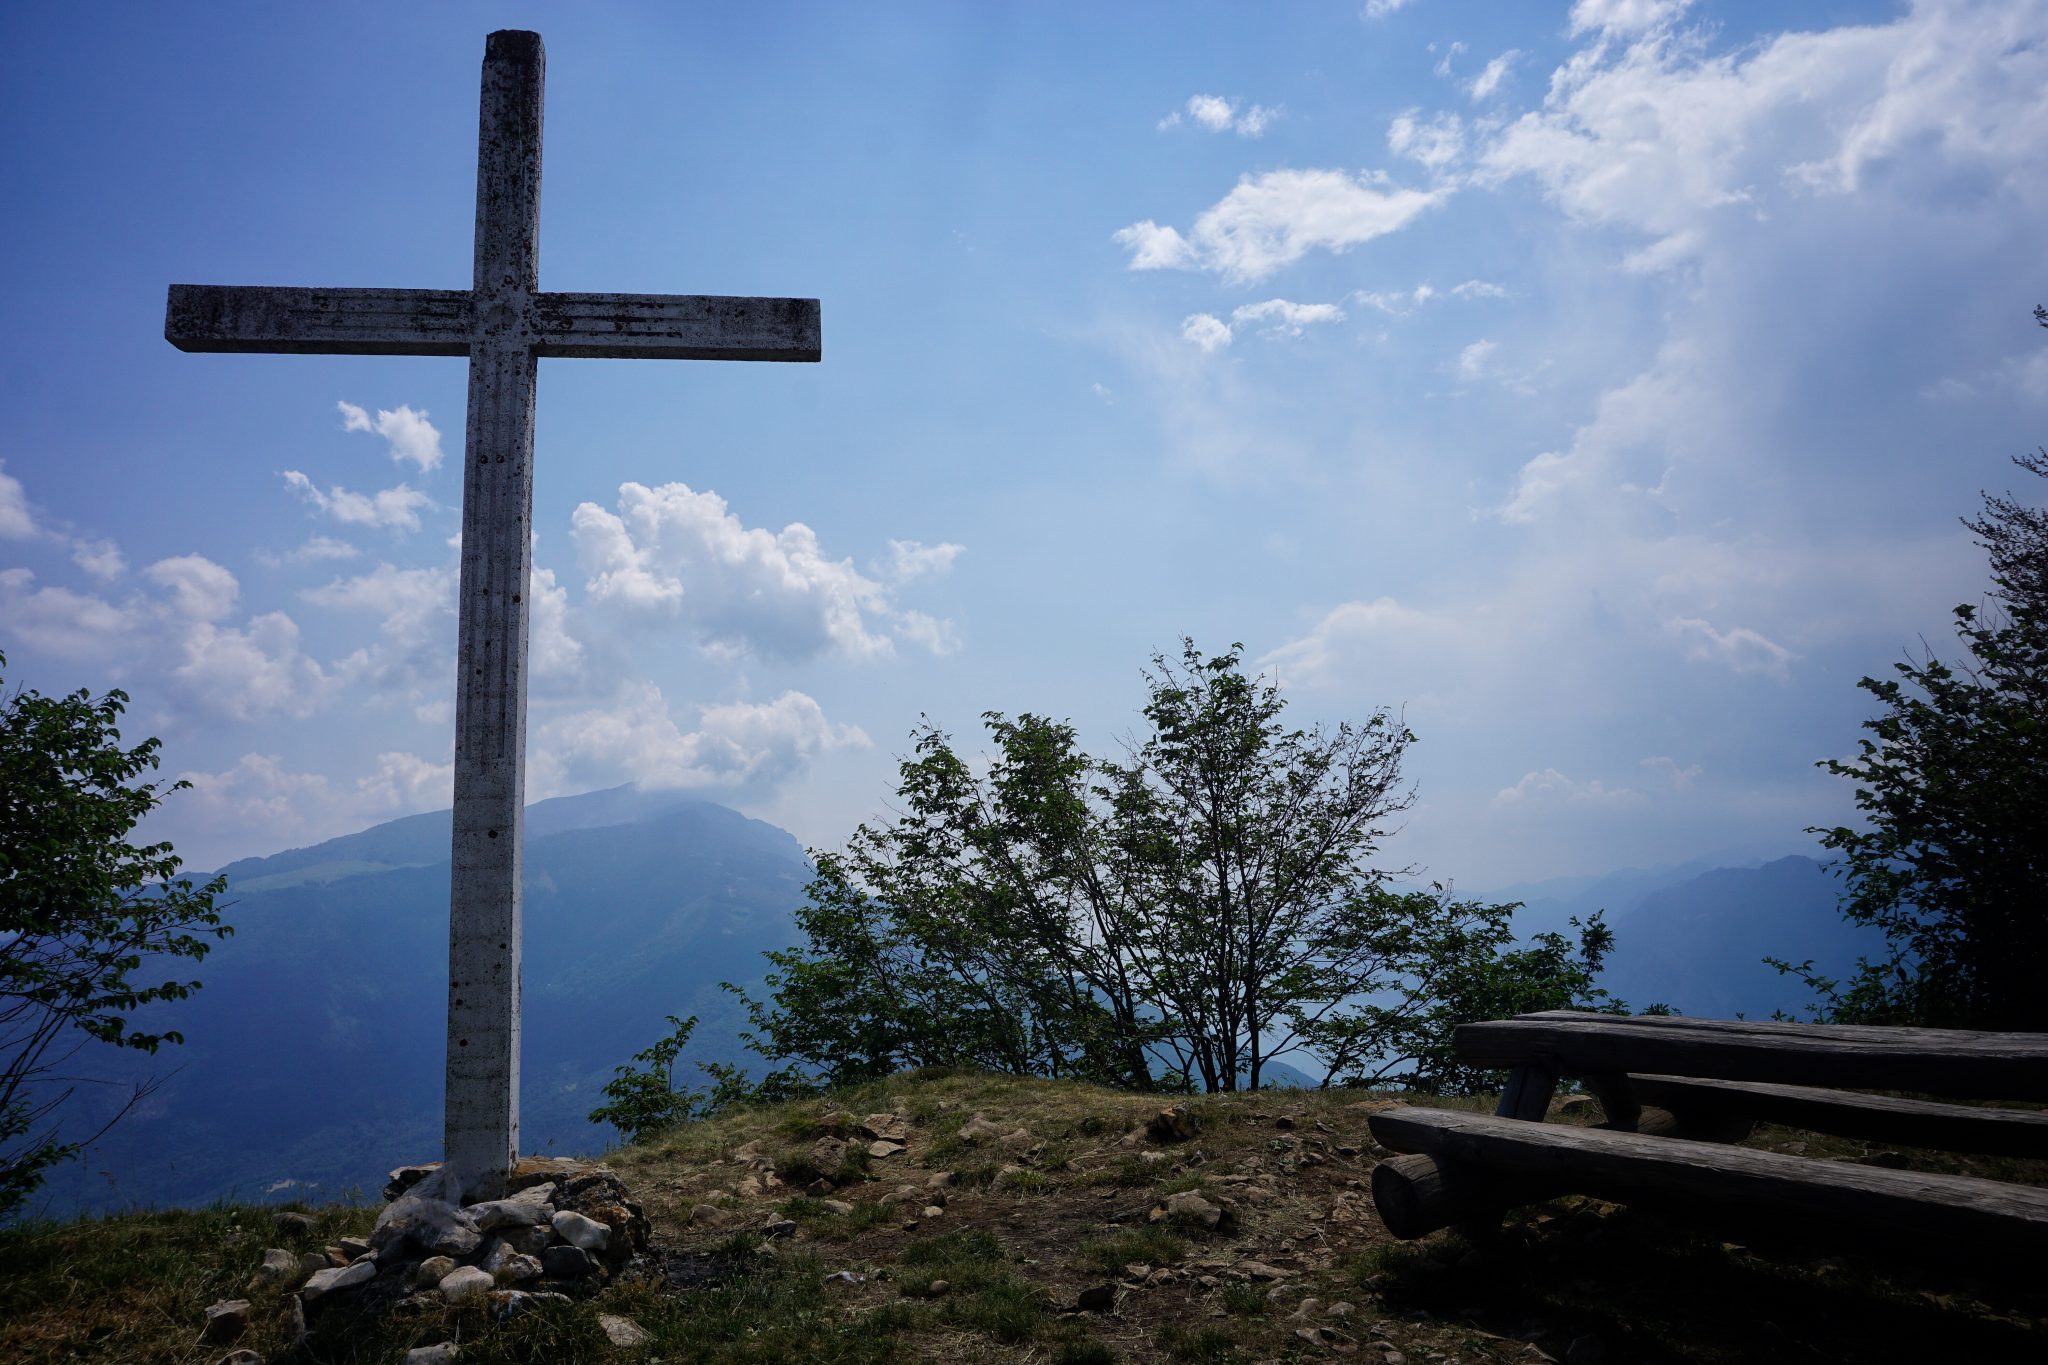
(1297, 1267)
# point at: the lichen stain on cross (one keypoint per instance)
(504, 324)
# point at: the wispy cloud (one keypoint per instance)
(1222, 115)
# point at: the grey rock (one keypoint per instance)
(526, 1241)
(432, 1271)
(430, 1221)
(443, 1354)
(337, 1277)
(279, 1267)
(405, 1177)
(778, 1226)
(516, 1269)
(516, 1212)
(352, 1247)
(225, 1320)
(291, 1223)
(579, 1231)
(292, 1320)
(465, 1282)
(623, 1333)
(313, 1262)
(566, 1263)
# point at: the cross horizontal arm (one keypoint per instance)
(675, 327)
(209, 317)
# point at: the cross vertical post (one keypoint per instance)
(504, 324)
(481, 1100)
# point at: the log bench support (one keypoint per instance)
(1466, 1168)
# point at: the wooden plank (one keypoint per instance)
(1485, 1162)
(1913, 1123)
(1528, 1093)
(676, 327)
(1954, 1063)
(292, 321)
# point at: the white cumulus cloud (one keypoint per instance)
(1275, 218)
(753, 746)
(392, 508)
(15, 521)
(1221, 115)
(411, 436)
(675, 553)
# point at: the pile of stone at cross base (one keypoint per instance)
(564, 1228)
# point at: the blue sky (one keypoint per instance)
(1599, 382)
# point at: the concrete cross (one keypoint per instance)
(504, 323)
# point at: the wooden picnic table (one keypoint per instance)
(1677, 1092)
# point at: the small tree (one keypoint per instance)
(1952, 863)
(1183, 916)
(81, 909)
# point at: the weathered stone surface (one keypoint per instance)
(279, 1267)
(566, 1263)
(225, 1321)
(1259, 1270)
(623, 1333)
(579, 1231)
(828, 1154)
(882, 1148)
(1190, 1207)
(405, 1177)
(516, 1268)
(352, 1247)
(885, 1127)
(778, 1226)
(707, 1215)
(838, 1206)
(465, 1282)
(1171, 1125)
(313, 1262)
(291, 1323)
(543, 1193)
(529, 1171)
(428, 1219)
(432, 1271)
(337, 1277)
(978, 1130)
(930, 1211)
(528, 1241)
(509, 1213)
(445, 1353)
(940, 1180)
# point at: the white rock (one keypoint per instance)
(624, 1332)
(338, 1277)
(465, 1282)
(443, 1354)
(578, 1231)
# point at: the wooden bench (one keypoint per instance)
(1678, 1091)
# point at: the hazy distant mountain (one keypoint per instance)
(313, 1055)
(1698, 945)
(314, 1052)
